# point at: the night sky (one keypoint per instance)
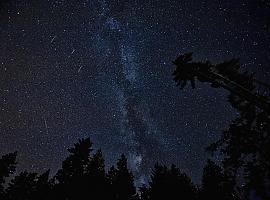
(102, 69)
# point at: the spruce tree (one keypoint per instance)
(71, 178)
(122, 181)
(7, 167)
(169, 183)
(95, 178)
(22, 187)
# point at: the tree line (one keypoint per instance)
(83, 176)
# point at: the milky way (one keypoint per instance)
(102, 69)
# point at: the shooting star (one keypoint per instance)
(46, 126)
(80, 69)
(73, 51)
(53, 39)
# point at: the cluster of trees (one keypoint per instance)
(83, 176)
(245, 145)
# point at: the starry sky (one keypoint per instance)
(102, 69)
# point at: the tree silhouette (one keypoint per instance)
(43, 187)
(226, 75)
(7, 167)
(215, 184)
(96, 167)
(70, 179)
(29, 186)
(245, 146)
(168, 183)
(122, 181)
(22, 186)
(83, 176)
(96, 180)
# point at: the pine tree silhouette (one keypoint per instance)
(71, 178)
(29, 186)
(43, 187)
(122, 181)
(226, 75)
(96, 167)
(7, 167)
(22, 187)
(96, 180)
(169, 183)
(215, 184)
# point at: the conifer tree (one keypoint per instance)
(96, 167)
(97, 183)
(43, 187)
(70, 179)
(169, 183)
(215, 184)
(122, 181)
(7, 167)
(22, 187)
